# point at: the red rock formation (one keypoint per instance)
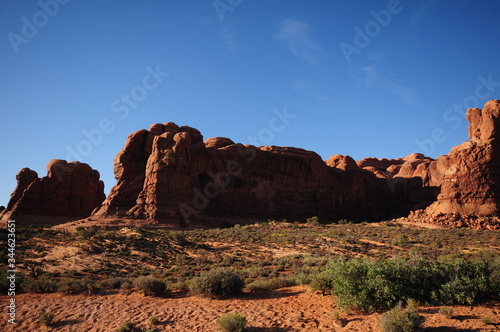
(69, 190)
(471, 183)
(168, 173)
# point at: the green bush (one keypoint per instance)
(86, 233)
(216, 283)
(113, 283)
(150, 286)
(368, 284)
(47, 318)
(267, 285)
(232, 323)
(128, 326)
(153, 320)
(399, 319)
(42, 284)
(76, 286)
(446, 311)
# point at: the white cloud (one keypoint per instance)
(295, 35)
(371, 77)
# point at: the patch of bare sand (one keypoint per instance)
(290, 309)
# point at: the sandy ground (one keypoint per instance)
(290, 309)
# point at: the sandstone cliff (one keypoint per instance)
(167, 173)
(470, 189)
(69, 190)
(171, 175)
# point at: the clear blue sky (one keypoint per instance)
(363, 78)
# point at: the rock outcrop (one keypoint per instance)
(69, 190)
(168, 173)
(471, 177)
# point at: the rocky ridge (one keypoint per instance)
(169, 174)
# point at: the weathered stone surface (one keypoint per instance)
(69, 190)
(169, 174)
(469, 176)
(181, 179)
(471, 183)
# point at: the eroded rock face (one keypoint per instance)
(169, 174)
(69, 190)
(471, 183)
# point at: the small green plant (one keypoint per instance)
(400, 319)
(336, 314)
(128, 326)
(400, 240)
(42, 284)
(313, 221)
(486, 320)
(299, 316)
(267, 285)
(76, 286)
(446, 311)
(232, 323)
(150, 286)
(217, 283)
(86, 233)
(153, 320)
(47, 318)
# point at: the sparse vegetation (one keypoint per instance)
(268, 285)
(371, 284)
(217, 283)
(150, 286)
(86, 233)
(401, 319)
(232, 323)
(47, 318)
(486, 320)
(128, 326)
(42, 284)
(446, 311)
(153, 320)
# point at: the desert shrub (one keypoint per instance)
(86, 233)
(126, 287)
(466, 281)
(128, 326)
(42, 284)
(232, 323)
(400, 319)
(368, 284)
(113, 283)
(267, 285)
(322, 281)
(487, 320)
(400, 240)
(153, 320)
(216, 283)
(76, 286)
(178, 286)
(313, 221)
(47, 318)
(149, 285)
(446, 311)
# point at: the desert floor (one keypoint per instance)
(288, 309)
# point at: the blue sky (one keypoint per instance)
(362, 78)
